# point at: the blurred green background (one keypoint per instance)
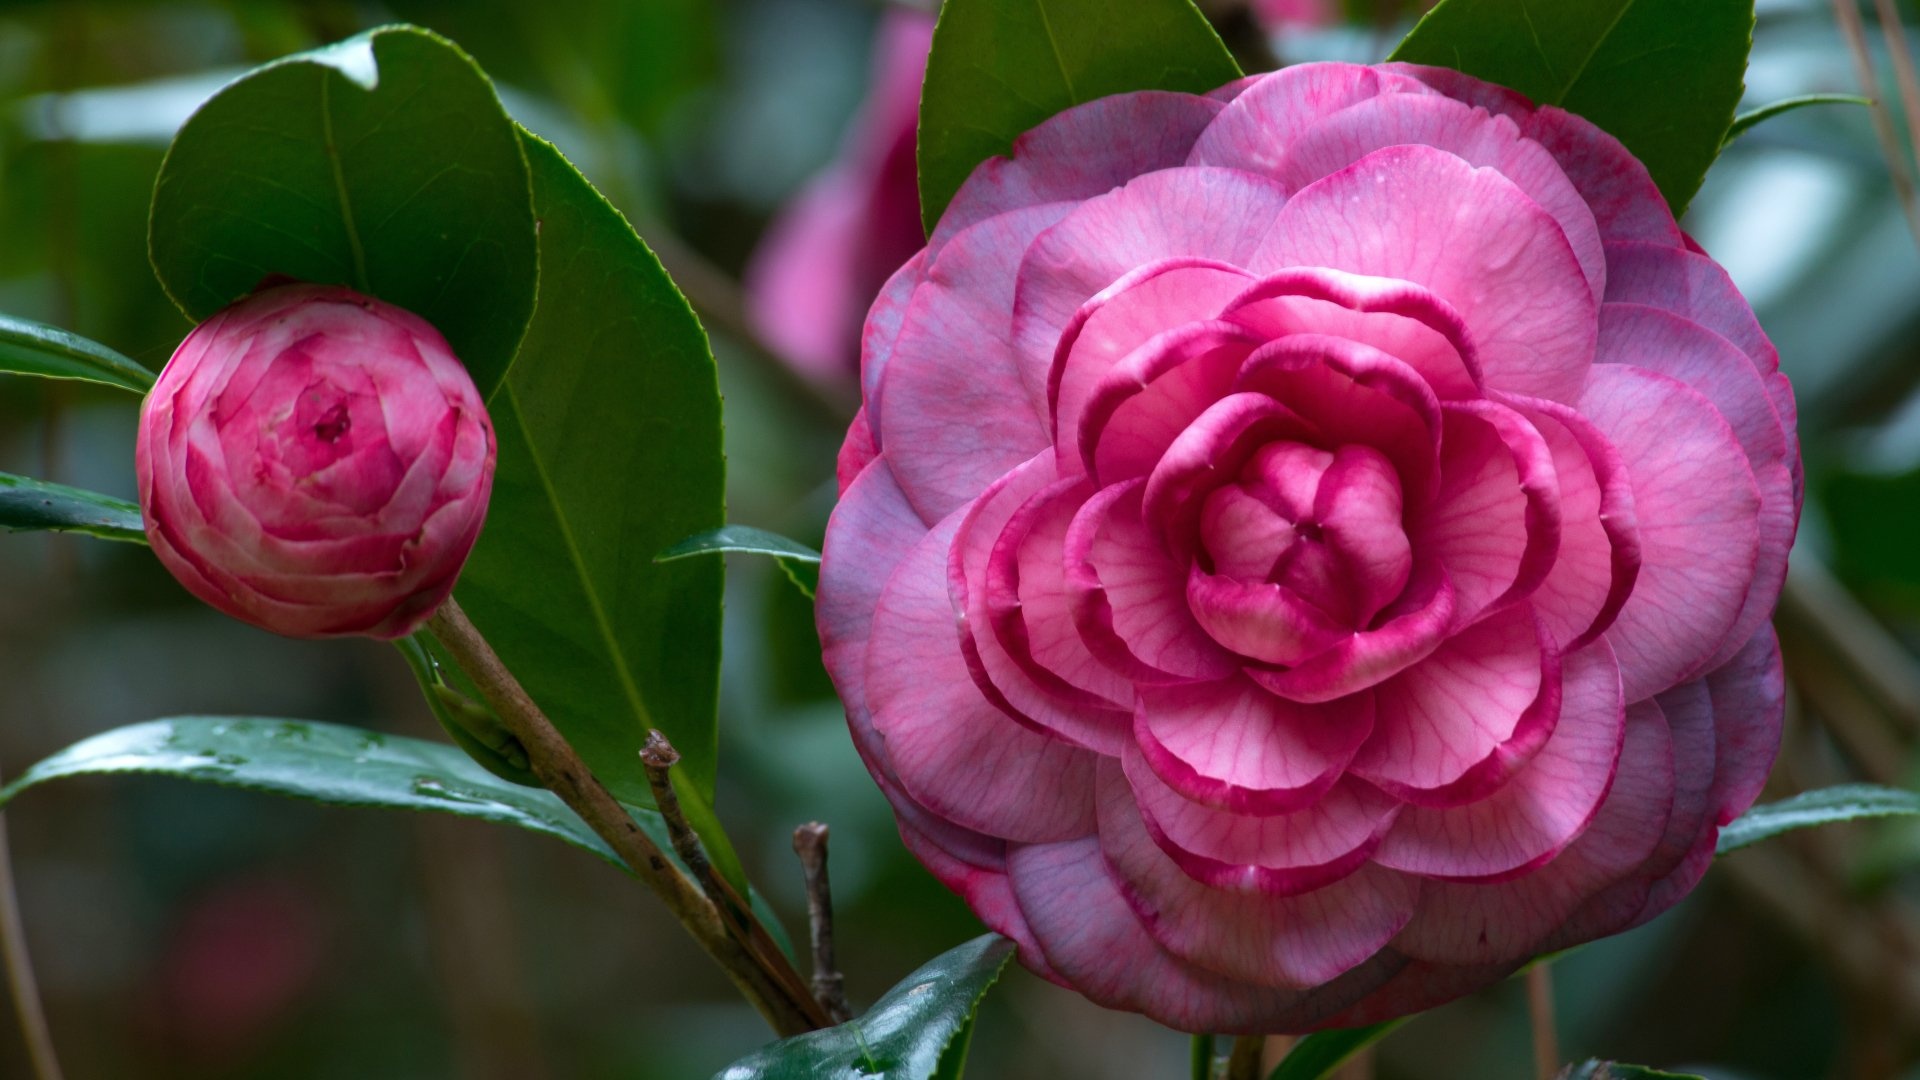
(182, 931)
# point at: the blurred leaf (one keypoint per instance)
(905, 1036)
(1319, 1054)
(1594, 1069)
(1846, 802)
(384, 162)
(31, 348)
(1662, 76)
(1873, 517)
(1764, 113)
(609, 451)
(1200, 1057)
(1000, 67)
(28, 505)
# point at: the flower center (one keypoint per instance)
(333, 424)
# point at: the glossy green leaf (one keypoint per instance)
(609, 451)
(1613, 1070)
(1663, 76)
(384, 162)
(1319, 1054)
(1846, 802)
(341, 766)
(28, 505)
(1746, 120)
(905, 1036)
(798, 561)
(31, 348)
(744, 539)
(1000, 67)
(327, 763)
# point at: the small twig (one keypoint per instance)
(1244, 1062)
(20, 981)
(829, 987)
(659, 757)
(1546, 1035)
(768, 982)
(1855, 33)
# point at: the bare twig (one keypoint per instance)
(1546, 1037)
(1855, 33)
(829, 987)
(660, 757)
(768, 982)
(1244, 1062)
(1894, 32)
(20, 981)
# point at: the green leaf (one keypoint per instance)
(1764, 113)
(1319, 1054)
(905, 1036)
(1594, 1069)
(797, 560)
(1000, 67)
(31, 348)
(744, 539)
(1662, 76)
(1200, 1057)
(341, 766)
(609, 450)
(328, 763)
(1846, 802)
(384, 162)
(28, 505)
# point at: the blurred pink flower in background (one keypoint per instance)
(828, 252)
(1307, 550)
(316, 463)
(1284, 15)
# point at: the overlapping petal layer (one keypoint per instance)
(315, 462)
(1307, 550)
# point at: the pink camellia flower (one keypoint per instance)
(1308, 549)
(316, 463)
(828, 253)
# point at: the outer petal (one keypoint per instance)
(953, 751)
(1469, 924)
(1254, 131)
(1085, 151)
(1543, 808)
(950, 404)
(1749, 705)
(1092, 938)
(1470, 235)
(1288, 941)
(1698, 509)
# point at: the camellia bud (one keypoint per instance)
(316, 463)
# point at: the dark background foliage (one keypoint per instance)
(192, 932)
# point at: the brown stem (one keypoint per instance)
(758, 975)
(1244, 1062)
(20, 981)
(829, 987)
(1546, 1036)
